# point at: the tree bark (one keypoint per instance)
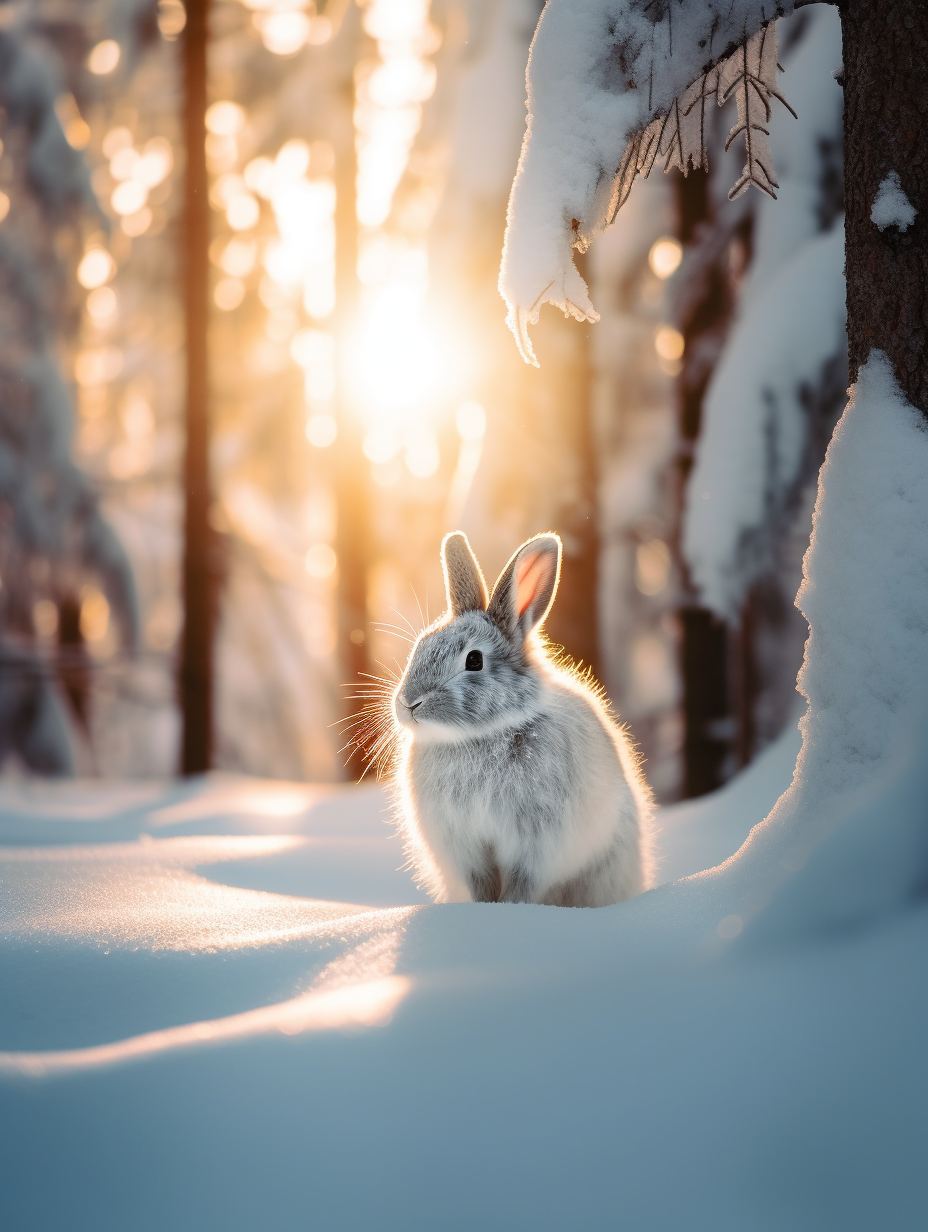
(885, 125)
(196, 659)
(705, 641)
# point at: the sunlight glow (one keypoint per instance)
(422, 456)
(225, 118)
(156, 162)
(95, 615)
(138, 223)
(115, 140)
(172, 17)
(321, 431)
(104, 57)
(96, 268)
(128, 197)
(665, 257)
(320, 561)
(669, 343)
(102, 305)
(283, 33)
(362, 1005)
(359, 989)
(471, 421)
(404, 361)
(124, 161)
(228, 294)
(652, 566)
(76, 128)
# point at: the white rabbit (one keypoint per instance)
(515, 783)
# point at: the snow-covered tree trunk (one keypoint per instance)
(885, 118)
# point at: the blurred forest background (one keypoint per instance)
(310, 199)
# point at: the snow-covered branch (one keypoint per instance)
(775, 386)
(757, 428)
(613, 87)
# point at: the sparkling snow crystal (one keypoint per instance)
(891, 207)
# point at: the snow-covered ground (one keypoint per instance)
(226, 1006)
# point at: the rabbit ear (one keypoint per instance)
(525, 589)
(464, 585)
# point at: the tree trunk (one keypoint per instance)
(575, 617)
(350, 472)
(196, 659)
(885, 122)
(705, 650)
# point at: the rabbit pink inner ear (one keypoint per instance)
(533, 572)
(536, 572)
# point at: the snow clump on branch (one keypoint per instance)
(891, 207)
(613, 87)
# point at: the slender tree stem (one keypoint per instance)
(196, 659)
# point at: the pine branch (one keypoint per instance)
(678, 136)
(750, 76)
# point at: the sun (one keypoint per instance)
(406, 365)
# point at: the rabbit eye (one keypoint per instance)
(474, 661)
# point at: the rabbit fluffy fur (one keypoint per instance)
(514, 782)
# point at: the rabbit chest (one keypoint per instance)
(522, 793)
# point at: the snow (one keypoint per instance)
(700, 833)
(865, 673)
(761, 440)
(850, 822)
(801, 151)
(226, 1006)
(599, 72)
(891, 207)
(753, 447)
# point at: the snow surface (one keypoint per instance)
(891, 207)
(226, 1006)
(865, 596)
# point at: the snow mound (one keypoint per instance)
(891, 207)
(865, 671)
(698, 834)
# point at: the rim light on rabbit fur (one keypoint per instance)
(513, 781)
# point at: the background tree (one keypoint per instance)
(63, 569)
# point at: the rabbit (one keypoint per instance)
(514, 782)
